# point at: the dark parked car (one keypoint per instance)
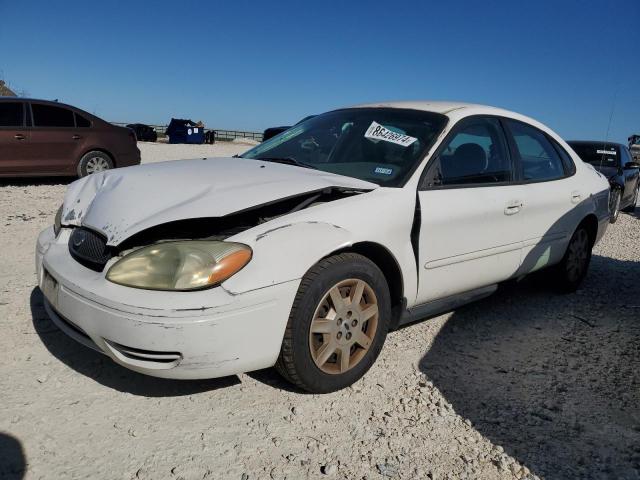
(38, 137)
(143, 132)
(273, 131)
(614, 161)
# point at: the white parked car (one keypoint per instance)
(305, 251)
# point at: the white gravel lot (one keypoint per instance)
(524, 384)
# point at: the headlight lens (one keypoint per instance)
(57, 222)
(180, 266)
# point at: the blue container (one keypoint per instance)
(184, 131)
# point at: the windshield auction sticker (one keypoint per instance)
(377, 132)
(607, 152)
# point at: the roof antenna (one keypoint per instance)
(606, 137)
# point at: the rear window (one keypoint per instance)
(539, 159)
(11, 114)
(81, 121)
(598, 154)
(51, 116)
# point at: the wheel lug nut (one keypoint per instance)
(354, 323)
(348, 335)
(339, 335)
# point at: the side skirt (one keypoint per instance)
(442, 305)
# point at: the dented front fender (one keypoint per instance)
(285, 252)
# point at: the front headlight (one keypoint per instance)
(57, 222)
(180, 266)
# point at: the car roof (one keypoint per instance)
(38, 100)
(454, 110)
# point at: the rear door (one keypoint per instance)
(14, 138)
(54, 138)
(551, 195)
(469, 212)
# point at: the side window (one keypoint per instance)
(81, 121)
(539, 159)
(51, 116)
(625, 157)
(476, 154)
(11, 114)
(567, 161)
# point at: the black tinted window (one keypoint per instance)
(476, 153)
(11, 114)
(597, 154)
(625, 156)
(540, 161)
(50, 116)
(81, 121)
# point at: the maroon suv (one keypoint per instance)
(38, 137)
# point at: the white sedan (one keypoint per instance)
(306, 250)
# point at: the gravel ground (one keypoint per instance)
(524, 384)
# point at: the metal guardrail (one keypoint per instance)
(221, 135)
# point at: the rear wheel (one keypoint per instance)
(338, 324)
(572, 270)
(93, 162)
(614, 205)
(632, 205)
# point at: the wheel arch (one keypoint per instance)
(388, 264)
(98, 149)
(590, 222)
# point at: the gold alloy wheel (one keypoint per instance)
(343, 326)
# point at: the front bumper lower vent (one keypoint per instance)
(144, 358)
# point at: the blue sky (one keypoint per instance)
(250, 65)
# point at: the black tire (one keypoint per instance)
(94, 161)
(296, 362)
(632, 206)
(614, 205)
(572, 270)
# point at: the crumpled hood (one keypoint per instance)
(122, 202)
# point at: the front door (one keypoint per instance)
(14, 138)
(469, 213)
(54, 139)
(630, 176)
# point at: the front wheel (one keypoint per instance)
(631, 207)
(338, 324)
(93, 162)
(572, 270)
(614, 205)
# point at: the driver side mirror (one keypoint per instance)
(630, 165)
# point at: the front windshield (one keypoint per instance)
(597, 154)
(379, 145)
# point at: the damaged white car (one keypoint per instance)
(306, 250)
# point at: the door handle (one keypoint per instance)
(576, 196)
(76, 137)
(18, 136)
(513, 207)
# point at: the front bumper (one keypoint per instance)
(184, 335)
